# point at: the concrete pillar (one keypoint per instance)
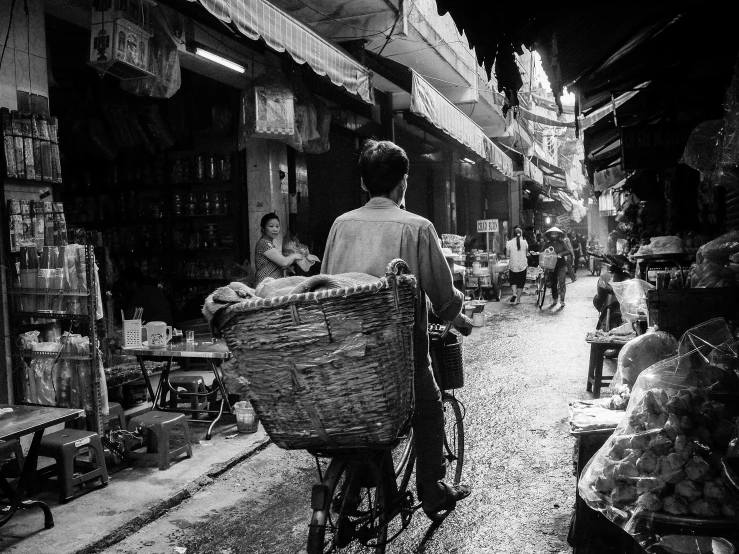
(24, 61)
(266, 161)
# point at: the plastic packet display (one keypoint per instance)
(632, 296)
(710, 275)
(662, 463)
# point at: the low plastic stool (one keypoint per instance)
(65, 446)
(193, 386)
(115, 413)
(161, 427)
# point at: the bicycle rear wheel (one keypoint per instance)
(453, 437)
(541, 287)
(349, 504)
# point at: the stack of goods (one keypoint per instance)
(59, 373)
(455, 242)
(663, 461)
(36, 224)
(662, 246)
(31, 147)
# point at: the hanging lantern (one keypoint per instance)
(119, 38)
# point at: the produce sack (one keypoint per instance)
(662, 463)
(710, 275)
(642, 352)
(719, 249)
(632, 296)
(700, 150)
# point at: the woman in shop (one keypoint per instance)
(517, 250)
(268, 260)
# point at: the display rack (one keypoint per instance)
(21, 320)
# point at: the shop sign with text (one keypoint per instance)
(652, 146)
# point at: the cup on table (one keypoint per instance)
(190, 336)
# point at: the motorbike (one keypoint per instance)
(609, 311)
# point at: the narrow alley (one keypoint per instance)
(520, 372)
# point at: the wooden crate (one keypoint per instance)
(676, 311)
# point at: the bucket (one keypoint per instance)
(478, 319)
(246, 419)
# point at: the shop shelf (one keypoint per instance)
(60, 355)
(46, 292)
(202, 216)
(48, 314)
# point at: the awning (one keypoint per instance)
(430, 104)
(572, 205)
(257, 19)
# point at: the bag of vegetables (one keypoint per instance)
(662, 465)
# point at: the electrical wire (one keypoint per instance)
(7, 35)
(390, 34)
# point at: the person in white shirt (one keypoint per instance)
(517, 250)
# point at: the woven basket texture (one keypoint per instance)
(327, 369)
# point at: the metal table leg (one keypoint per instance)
(28, 474)
(224, 398)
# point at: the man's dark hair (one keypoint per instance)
(382, 164)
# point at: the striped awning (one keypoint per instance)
(257, 19)
(434, 107)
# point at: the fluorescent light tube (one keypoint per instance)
(218, 59)
(467, 160)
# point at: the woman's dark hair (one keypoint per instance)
(382, 164)
(266, 218)
(518, 237)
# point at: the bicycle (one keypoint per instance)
(542, 281)
(363, 495)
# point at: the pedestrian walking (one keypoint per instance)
(555, 238)
(569, 260)
(517, 250)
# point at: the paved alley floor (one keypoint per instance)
(521, 370)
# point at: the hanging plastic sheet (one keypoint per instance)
(164, 63)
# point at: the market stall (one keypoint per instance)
(653, 457)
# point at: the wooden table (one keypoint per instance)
(203, 350)
(598, 347)
(24, 420)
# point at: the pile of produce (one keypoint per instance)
(668, 459)
(664, 458)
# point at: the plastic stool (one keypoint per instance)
(159, 442)
(65, 446)
(190, 384)
(116, 413)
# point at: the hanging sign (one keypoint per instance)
(487, 225)
(563, 221)
(650, 146)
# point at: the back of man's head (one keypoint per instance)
(382, 164)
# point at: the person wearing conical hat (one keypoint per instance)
(554, 239)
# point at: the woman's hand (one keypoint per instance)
(295, 257)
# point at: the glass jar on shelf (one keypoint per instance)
(190, 204)
(177, 204)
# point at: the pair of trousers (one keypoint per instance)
(557, 278)
(428, 429)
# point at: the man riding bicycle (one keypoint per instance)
(365, 240)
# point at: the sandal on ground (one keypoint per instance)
(513, 299)
(453, 494)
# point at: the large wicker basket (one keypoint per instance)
(327, 369)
